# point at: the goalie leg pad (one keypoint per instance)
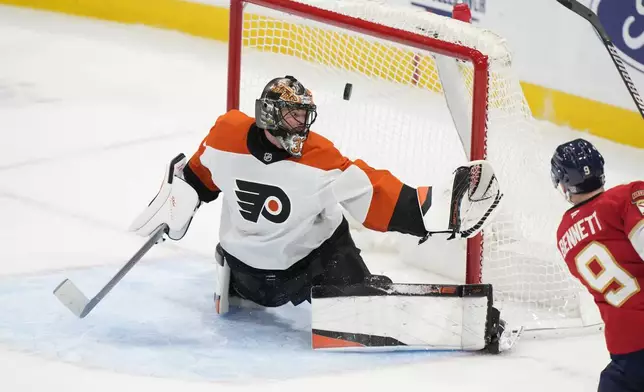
(402, 316)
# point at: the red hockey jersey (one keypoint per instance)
(602, 241)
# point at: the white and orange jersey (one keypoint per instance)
(277, 209)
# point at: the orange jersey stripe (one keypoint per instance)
(422, 194)
(228, 134)
(386, 191)
(319, 341)
(202, 172)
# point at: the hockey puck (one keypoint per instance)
(347, 91)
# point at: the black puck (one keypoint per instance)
(347, 91)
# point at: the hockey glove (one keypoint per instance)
(466, 207)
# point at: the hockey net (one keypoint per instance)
(420, 122)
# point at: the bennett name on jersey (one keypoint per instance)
(580, 230)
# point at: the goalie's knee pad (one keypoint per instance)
(226, 295)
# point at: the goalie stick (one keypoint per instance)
(77, 302)
(591, 17)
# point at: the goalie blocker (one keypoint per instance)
(409, 317)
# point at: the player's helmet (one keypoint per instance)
(577, 167)
(286, 110)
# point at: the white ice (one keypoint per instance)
(90, 112)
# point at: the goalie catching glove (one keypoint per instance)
(174, 205)
(466, 207)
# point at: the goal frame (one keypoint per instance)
(480, 63)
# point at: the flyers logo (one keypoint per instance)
(255, 199)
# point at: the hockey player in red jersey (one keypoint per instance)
(282, 229)
(601, 239)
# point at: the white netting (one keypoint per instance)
(398, 119)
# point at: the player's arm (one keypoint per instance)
(378, 200)
(199, 177)
(382, 202)
(634, 217)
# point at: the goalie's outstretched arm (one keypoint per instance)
(381, 202)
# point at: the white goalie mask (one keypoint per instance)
(287, 111)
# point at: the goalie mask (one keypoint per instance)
(286, 110)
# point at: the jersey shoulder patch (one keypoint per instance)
(637, 195)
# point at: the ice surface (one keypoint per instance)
(90, 113)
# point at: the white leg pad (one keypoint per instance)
(223, 284)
